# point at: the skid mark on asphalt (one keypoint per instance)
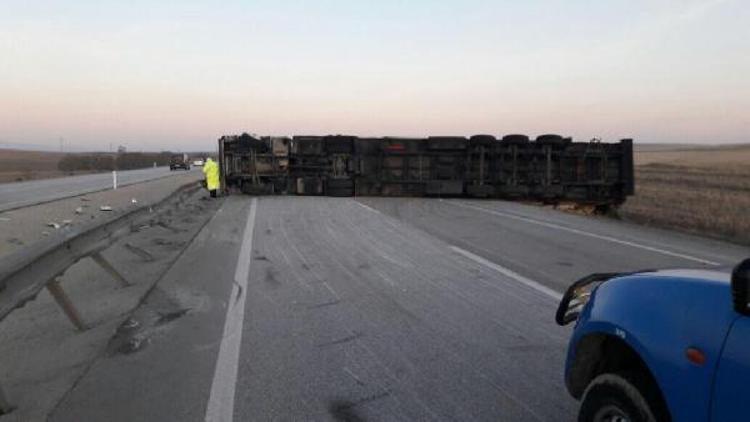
(324, 305)
(346, 339)
(584, 233)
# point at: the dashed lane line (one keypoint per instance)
(509, 273)
(585, 233)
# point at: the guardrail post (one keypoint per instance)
(62, 299)
(99, 259)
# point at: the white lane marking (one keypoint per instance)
(509, 273)
(585, 233)
(367, 207)
(220, 406)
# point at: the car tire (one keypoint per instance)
(610, 395)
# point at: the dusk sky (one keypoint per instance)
(178, 74)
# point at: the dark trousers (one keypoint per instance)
(213, 193)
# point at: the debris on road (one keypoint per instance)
(84, 199)
(133, 345)
(139, 228)
(53, 224)
(79, 210)
(133, 201)
(128, 325)
(171, 316)
(105, 208)
(67, 222)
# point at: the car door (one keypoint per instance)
(730, 397)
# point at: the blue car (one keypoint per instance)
(670, 345)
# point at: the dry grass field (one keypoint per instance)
(18, 165)
(703, 190)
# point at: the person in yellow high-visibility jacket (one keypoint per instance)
(211, 170)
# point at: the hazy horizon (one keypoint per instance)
(177, 75)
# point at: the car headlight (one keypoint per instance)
(578, 295)
(581, 296)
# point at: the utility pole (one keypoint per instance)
(61, 143)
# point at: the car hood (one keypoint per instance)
(715, 274)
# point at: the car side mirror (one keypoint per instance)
(741, 287)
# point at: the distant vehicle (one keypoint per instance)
(198, 162)
(669, 345)
(179, 162)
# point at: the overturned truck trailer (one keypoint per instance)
(550, 168)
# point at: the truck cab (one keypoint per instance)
(670, 345)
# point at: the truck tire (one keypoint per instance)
(439, 143)
(610, 396)
(484, 140)
(516, 139)
(551, 139)
(340, 187)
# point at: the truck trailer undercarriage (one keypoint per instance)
(550, 168)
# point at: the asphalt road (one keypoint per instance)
(376, 309)
(22, 194)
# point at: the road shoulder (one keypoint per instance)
(170, 377)
(44, 356)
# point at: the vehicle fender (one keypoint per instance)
(660, 318)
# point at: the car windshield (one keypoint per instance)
(374, 211)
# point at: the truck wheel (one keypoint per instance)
(515, 139)
(611, 397)
(552, 139)
(340, 187)
(484, 140)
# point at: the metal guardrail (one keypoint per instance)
(25, 273)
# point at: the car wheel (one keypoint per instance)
(612, 398)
